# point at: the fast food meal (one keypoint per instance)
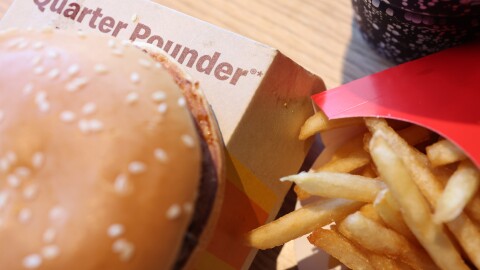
(397, 196)
(110, 157)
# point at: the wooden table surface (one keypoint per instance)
(318, 34)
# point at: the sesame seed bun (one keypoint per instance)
(102, 152)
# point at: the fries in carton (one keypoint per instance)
(260, 98)
(440, 93)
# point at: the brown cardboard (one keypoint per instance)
(260, 98)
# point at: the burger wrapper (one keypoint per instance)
(259, 96)
(440, 92)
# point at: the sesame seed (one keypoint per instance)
(40, 96)
(25, 215)
(2, 115)
(76, 84)
(22, 45)
(181, 102)
(28, 89)
(73, 70)
(137, 167)
(89, 108)
(135, 77)
(57, 213)
(50, 252)
(81, 34)
(115, 230)
(39, 70)
(100, 69)
(47, 29)
(126, 42)
(67, 116)
(52, 54)
(188, 141)
(30, 191)
(124, 248)
(145, 63)
(188, 207)
(54, 73)
(162, 108)
(3, 199)
(32, 261)
(134, 17)
(41, 100)
(13, 43)
(22, 171)
(11, 156)
(4, 165)
(38, 45)
(117, 52)
(160, 155)
(14, 181)
(159, 96)
(121, 184)
(90, 126)
(174, 212)
(36, 60)
(37, 160)
(131, 97)
(84, 126)
(111, 43)
(44, 106)
(158, 65)
(95, 125)
(49, 235)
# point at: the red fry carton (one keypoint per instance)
(260, 98)
(440, 92)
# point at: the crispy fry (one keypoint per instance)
(381, 240)
(301, 194)
(473, 208)
(338, 185)
(444, 152)
(415, 209)
(355, 161)
(464, 229)
(413, 135)
(319, 122)
(388, 210)
(339, 247)
(460, 189)
(300, 222)
(369, 171)
(369, 212)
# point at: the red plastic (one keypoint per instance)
(440, 92)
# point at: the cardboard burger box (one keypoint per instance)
(260, 98)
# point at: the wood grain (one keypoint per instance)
(318, 34)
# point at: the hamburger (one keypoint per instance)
(110, 157)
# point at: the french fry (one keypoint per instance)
(319, 122)
(460, 189)
(444, 152)
(415, 209)
(301, 194)
(369, 212)
(388, 210)
(463, 228)
(369, 171)
(340, 248)
(300, 222)
(338, 185)
(373, 236)
(413, 135)
(473, 208)
(348, 164)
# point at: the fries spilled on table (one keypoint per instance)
(397, 196)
